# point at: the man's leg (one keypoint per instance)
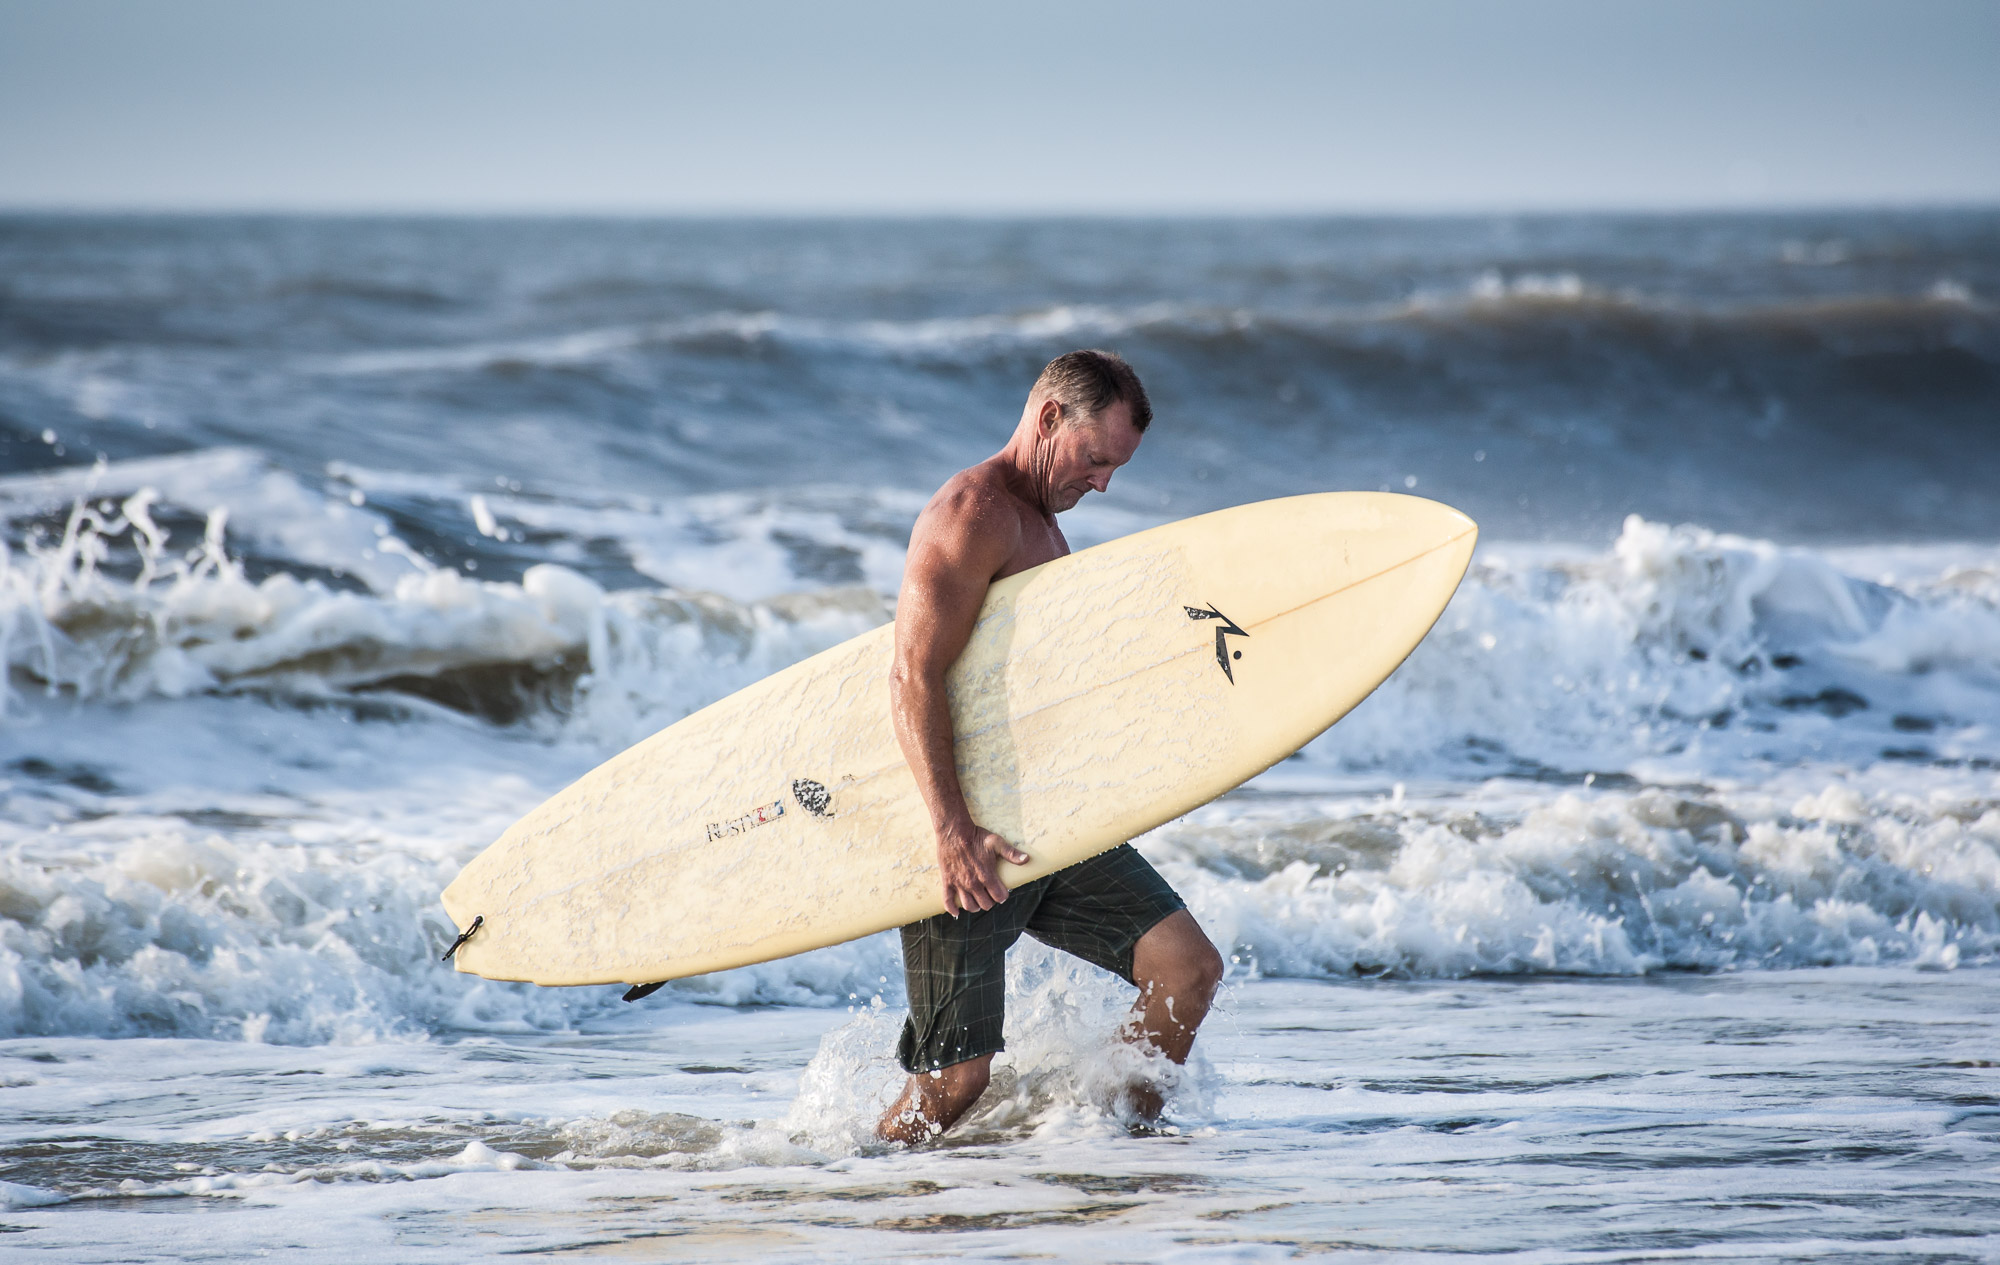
(1177, 971)
(933, 1101)
(1115, 911)
(955, 971)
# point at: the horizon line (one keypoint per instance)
(251, 210)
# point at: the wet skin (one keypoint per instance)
(988, 522)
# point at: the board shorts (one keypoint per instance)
(956, 968)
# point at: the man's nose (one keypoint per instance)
(1102, 482)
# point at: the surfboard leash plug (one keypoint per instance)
(478, 921)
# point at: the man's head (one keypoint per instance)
(1086, 383)
(1088, 411)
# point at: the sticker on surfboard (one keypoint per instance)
(813, 797)
(762, 815)
(1223, 654)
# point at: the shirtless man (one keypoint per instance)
(1083, 420)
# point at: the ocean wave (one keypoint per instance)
(193, 622)
(1527, 302)
(174, 930)
(1679, 644)
(1613, 883)
(179, 931)
(1690, 752)
(82, 515)
(747, 328)
(1684, 645)
(575, 348)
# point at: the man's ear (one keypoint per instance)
(1049, 418)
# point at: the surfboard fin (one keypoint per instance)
(637, 991)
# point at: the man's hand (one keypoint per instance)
(968, 862)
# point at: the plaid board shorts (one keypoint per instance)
(956, 968)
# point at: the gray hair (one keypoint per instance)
(1088, 382)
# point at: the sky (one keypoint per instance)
(1026, 106)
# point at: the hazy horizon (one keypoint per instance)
(780, 109)
(780, 214)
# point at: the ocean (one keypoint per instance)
(1651, 910)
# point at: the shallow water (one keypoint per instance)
(1650, 909)
(1850, 1113)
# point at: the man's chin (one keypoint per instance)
(1068, 501)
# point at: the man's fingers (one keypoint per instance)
(973, 882)
(968, 897)
(1006, 850)
(990, 884)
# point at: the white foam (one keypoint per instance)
(190, 625)
(1066, 1072)
(314, 918)
(1715, 651)
(15, 1195)
(1757, 688)
(263, 505)
(1491, 286)
(1596, 884)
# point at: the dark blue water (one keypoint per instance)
(1823, 378)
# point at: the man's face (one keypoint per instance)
(1081, 458)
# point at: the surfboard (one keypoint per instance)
(1101, 695)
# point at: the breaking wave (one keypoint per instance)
(1691, 752)
(1616, 884)
(107, 611)
(181, 931)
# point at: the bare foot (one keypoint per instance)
(1143, 1103)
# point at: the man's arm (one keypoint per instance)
(961, 541)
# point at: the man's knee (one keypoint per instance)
(1195, 974)
(1177, 957)
(1206, 969)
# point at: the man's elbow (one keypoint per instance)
(909, 680)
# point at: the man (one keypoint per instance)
(1083, 421)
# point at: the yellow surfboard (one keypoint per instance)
(1101, 695)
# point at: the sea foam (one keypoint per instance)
(232, 800)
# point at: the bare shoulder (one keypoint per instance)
(973, 520)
